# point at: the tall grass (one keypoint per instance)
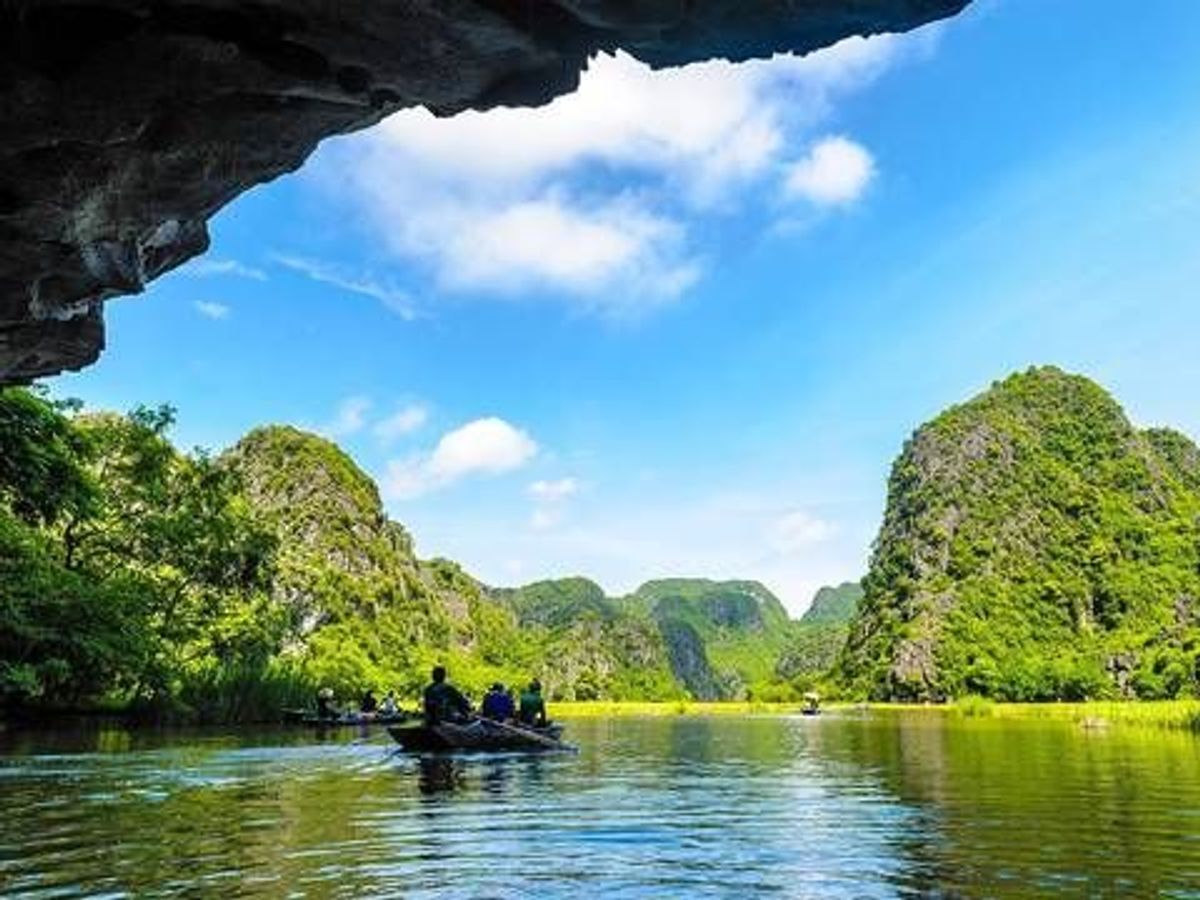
(607, 708)
(974, 706)
(230, 694)
(1182, 715)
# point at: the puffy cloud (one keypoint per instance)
(488, 446)
(548, 241)
(350, 419)
(835, 172)
(403, 421)
(589, 198)
(212, 310)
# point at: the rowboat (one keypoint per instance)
(479, 735)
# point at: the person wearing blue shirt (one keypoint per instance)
(498, 704)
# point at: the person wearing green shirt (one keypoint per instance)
(532, 709)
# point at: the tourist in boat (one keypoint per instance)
(369, 704)
(533, 707)
(498, 704)
(325, 707)
(388, 706)
(443, 701)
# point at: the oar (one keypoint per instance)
(530, 735)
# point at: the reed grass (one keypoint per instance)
(609, 708)
(1180, 715)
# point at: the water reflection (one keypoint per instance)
(838, 806)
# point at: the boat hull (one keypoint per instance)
(476, 736)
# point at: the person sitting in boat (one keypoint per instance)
(369, 704)
(533, 707)
(325, 708)
(444, 702)
(498, 704)
(388, 706)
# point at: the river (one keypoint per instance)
(876, 804)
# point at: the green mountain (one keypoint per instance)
(834, 605)
(1035, 546)
(707, 639)
(364, 610)
(820, 634)
(723, 637)
(589, 647)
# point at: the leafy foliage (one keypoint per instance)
(819, 636)
(144, 563)
(223, 589)
(1035, 546)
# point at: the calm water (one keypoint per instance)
(872, 805)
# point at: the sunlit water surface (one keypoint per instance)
(854, 805)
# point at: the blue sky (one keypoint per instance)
(680, 323)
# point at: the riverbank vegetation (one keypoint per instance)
(1036, 547)
(225, 588)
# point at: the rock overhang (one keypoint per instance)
(126, 124)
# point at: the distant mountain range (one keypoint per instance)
(1035, 545)
(366, 611)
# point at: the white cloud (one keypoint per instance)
(488, 446)
(211, 310)
(553, 491)
(203, 268)
(350, 419)
(835, 172)
(796, 531)
(395, 299)
(589, 199)
(403, 421)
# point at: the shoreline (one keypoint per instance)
(1178, 715)
(1174, 715)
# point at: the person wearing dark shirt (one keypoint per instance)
(533, 707)
(368, 704)
(497, 704)
(444, 702)
(325, 709)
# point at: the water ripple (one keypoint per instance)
(855, 807)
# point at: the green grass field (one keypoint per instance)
(1181, 715)
(606, 708)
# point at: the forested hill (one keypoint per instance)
(816, 640)
(1035, 546)
(224, 588)
(715, 640)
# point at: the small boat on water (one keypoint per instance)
(812, 704)
(480, 735)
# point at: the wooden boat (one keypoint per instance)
(479, 735)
